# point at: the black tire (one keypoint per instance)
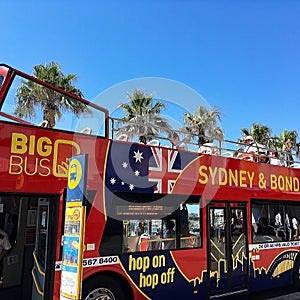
(297, 274)
(102, 286)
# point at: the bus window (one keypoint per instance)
(147, 225)
(273, 222)
(112, 240)
(190, 230)
(217, 224)
(149, 235)
(291, 222)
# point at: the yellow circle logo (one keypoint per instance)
(75, 173)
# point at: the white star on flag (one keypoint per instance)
(124, 164)
(112, 180)
(138, 156)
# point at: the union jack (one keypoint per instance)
(166, 169)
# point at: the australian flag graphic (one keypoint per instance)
(139, 168)
(127, 168)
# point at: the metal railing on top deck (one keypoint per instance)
(225, 148)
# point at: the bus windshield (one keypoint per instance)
(43, 112)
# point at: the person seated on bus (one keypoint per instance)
(181, 146)
(174, 139)
(262, 227)
(250, 150)
(142, 139)
(252, 146)
(139, 230)
(176, 143)
(295, 228)
(262, 156)
(169, 234)
(287, 148)
(273, 157)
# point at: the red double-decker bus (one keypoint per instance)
(160, 222)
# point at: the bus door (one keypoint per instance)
(227, 249)
(44, 252)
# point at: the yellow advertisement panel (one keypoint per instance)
(73, 247)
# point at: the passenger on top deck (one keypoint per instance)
(273, 156)
(181, 146)
(142, 139)
(288, 147)
(262, 156)
(176, 143)
(250, 150)
(251, 145)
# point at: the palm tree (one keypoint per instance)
(260, 133)
(275, 142)
(31, 95)
(203, 123)
(142, 116)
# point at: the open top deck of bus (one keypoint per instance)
(99, 123)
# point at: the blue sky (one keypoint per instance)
(242, 56)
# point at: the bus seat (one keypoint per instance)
(122, 137)
(246, 156)
(153, 143)
(86, 130)
(295, 165)
(44, 123)
(227, 154)
(143, 242)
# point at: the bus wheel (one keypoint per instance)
(102, 287)
(297, 274)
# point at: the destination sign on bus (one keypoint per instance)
(143, 210)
